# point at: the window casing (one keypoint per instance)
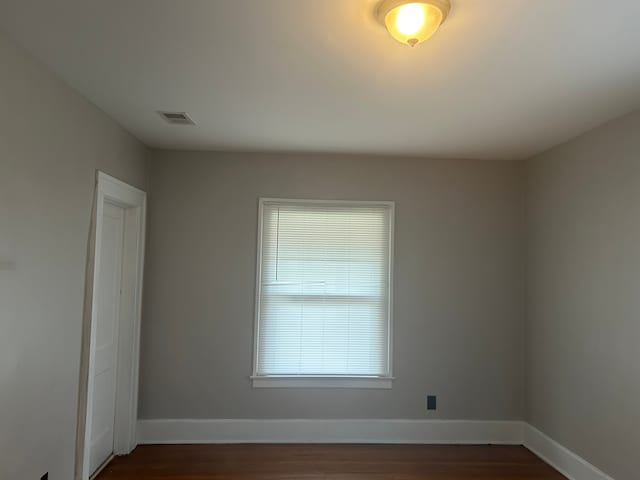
(324, 294)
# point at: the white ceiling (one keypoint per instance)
(501, 79)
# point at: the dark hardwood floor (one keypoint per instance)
(328, 462)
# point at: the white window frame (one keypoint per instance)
(323, 381)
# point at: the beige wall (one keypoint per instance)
(51, 142)
(458, 285)
(583, 328)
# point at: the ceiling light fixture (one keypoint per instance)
(411, 22)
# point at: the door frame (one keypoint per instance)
(133, 201)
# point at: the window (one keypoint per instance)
(324, 294)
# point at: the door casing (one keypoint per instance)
(133, 201)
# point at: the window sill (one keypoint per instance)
(321, 382)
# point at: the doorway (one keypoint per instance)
(111, 343)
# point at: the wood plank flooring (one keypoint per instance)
(328, 462)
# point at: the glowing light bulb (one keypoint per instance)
(410, 18)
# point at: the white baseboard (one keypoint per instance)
(187, 431)
(562, 459)
(331, 431)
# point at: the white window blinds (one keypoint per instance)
(324, 289)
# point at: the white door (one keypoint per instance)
(106, 346)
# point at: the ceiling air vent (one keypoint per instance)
(178, 118)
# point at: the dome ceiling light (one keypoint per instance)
(412, 22)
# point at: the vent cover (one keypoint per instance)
(178, 118)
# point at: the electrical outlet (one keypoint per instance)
(431, 402)
(45, 476)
